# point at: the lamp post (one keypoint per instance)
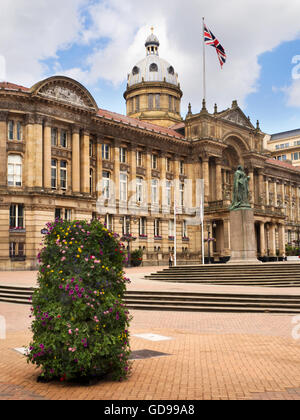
(128, 238)
(209, 239)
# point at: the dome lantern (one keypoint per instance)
(153, 92)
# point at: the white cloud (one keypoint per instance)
(37, 29)
(246, 29)
(31, 31)
(293, 94)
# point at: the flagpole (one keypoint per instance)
(204, 64)
(175, 233)
(202, 219)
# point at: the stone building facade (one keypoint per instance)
(62, 156)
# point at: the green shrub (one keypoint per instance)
(136, 257)
(80, 326)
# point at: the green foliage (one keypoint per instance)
(291, 251)
(136, 257)
(80, 326)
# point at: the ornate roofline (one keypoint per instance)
(66, 90)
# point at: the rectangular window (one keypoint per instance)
(11, 125)
(123, 154)
(105, 152)
(91, 181)
(181, 194)
(63, 138)
(137, 103)
(139, 189)
(106, 185)
(150, 101)
(19, 131)
(63, 175)
(91, 148)
(53, 136)
(16, 216)
(168, 192)
(58, 213)
(67, 214)
(123, 187)
(181, 167)
(184, 229)
(157, 101)
(126, 225)
(168, 164)
(154, 161)
(156, 227)
(142, 226)
(53, 174)
(14, 171)
(139, 159)
(109, 221)
(16, 249)
(154, 191)
(171, 228)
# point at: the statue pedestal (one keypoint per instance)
(242, 237)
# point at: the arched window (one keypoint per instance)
(153, 67)
(135, 70)
(171, 70)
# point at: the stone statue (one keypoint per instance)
(240, 190)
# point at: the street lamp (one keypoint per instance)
(209, 239)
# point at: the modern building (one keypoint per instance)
(62, 156)
(285, 146)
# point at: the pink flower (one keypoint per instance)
(70, 332)
(63, 259)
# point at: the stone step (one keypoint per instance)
(215, 298)
(223, 308)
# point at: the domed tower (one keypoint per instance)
(153, 93)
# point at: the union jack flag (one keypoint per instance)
(210, 39)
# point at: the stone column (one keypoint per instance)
(132, 177)
(75, 160)
(281, 239)
(176, 180)
(275, 193)
(99, 169)
(205, 171)
(267, 190)
(116, 175)
(251, 186)
(272, 244)
(148, 154)
(29, 161)
(85, 162)
(226, 232)
(3, 153)
(262, 239)
(163, 169)
(38, 143)
(261, 189)
(47, 154)
(219, 192)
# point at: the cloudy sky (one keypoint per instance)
(97, 42)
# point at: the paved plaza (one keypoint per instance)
(206, 356)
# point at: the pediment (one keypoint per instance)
(65, 90)
(237, 116)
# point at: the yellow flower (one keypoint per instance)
(78, 256)
(79, 250)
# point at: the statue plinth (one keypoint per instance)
(242, 237)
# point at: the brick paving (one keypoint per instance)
(211, 356)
